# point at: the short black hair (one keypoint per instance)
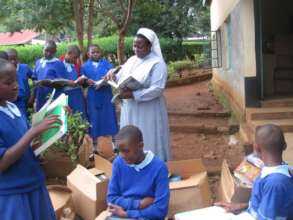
(11, 51)
(271, 138)
(96, 46)
(73, 48)
(130, 133)
(142, 36)
(3, 55)
(50, 43)
(4, 66)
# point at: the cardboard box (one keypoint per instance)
(60, 197)
(229, 190)
(88, 191)
(192, 192)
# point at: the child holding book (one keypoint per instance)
(76, 100)
(23, 193)
(101, 111)
(272, 192)
(48, 67)
(24, 73)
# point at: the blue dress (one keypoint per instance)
(47, 69)
(101, 111)
(76, 100)
(23, 73)
(23, 193)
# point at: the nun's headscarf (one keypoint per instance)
(152, 37)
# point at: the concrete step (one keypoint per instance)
(285, 124)
(277, 102)
(269, 113)
(203, 128)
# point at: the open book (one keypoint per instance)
(57, 107)
(57, 83)
(129, 83)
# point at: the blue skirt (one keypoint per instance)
(34, 205)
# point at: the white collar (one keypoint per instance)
(17, 67)
(44, 61)
(148, 158)
(68, 66)
(95, 63)
(281, 169)
(11, 110)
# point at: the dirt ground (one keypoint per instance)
(189, 101)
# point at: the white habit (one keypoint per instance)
(148, 108)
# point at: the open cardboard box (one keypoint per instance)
(192, 192)
(229, 190)
(60, 197)
(88, 191)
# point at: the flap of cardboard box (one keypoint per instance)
(229, 190)
(192, 181)
(60, 196)
(83, 179)
(103, 164)
(186, 168)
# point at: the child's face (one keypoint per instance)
(130, 152)
(71, 57)
(8, 85)
(94, 53)
(49, 52)
(12, 58)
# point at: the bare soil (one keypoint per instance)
(185, 103)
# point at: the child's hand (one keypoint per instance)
(48, 122)
(81, 80)
(146, 202)
(110, 75)
(232, 207)
(117, 210)
(91, 82)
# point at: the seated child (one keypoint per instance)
(139, 187)
(272, 192)
(23, 72)
(23, 192)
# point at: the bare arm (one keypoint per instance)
(15, 152)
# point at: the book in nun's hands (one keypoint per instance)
(56, 107)
(129, 83)
(57, 83)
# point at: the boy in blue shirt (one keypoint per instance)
(272, 192)
(139, 187)
(24, 73)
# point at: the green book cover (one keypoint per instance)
(50, 136)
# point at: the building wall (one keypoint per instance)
(238, 53)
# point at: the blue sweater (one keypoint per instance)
(272, 197)
(128, 186)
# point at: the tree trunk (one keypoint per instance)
(120, 48)
(90, 23)
(78, 8)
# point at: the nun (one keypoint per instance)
(146, 107)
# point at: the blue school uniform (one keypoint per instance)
(23, 193)
(47, 69)
(130, 183)
(23, 73)
(272, 194)
(76, 100)
(101, 111)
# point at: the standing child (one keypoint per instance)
(76, 99)
(101, 111)
(23, 193)
(48, 67)
(23, 73)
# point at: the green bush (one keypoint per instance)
(178, 66)
(171, 49)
